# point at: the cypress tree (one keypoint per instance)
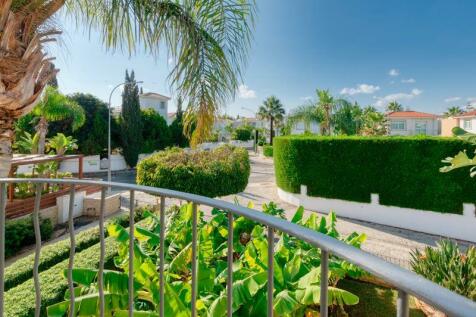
(131, 125)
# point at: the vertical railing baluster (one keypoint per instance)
(270, 270)
(324, 283)
(229, 280)
(131, 253)
(36, 225)
(103, 251)
(72, 247)
(402, 304)
(194, 259)
(3, 205)
(163, 226)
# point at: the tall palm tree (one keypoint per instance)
(272, 110)
(52, 107)
(347, 119)
(394, 106)
(453, 111)
(208, 39)
(326, 105)
(307, 114)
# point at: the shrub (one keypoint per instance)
(268, 150)
(20, 300)
(243, 133)
(22, 269)
(219, 172)
(447, 266)
(20, 233)
(403, 170)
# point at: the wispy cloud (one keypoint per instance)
(471, 101)
(244, 92)
(409, 81)
(452, 99)
(394, 72)
(382, 101)
(360, 89)
(306, 98)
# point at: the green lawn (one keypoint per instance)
(374, 300)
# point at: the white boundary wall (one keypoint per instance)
(455, 226)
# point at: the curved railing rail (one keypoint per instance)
(407, 283)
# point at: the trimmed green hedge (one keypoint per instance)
(22, 269)
(20, 233)
(404, 171)
(268, 150)
(20, 300)
(220, 172)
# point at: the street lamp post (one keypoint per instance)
(109, 131)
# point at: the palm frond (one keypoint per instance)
(209, 41)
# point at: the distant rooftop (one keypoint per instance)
(471, 113)
(410, 114)
(154, 95)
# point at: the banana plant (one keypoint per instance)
(296, 265)
(461, 159)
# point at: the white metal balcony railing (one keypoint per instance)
(407, 282)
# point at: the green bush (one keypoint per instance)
(219, 172)
(447, 266)
(243, 133)
(404, 171)
(20, 300)
(22, 269)
(20, 233)
(268, 150)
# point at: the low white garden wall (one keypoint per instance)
(213, 145)
(92, 164)
(455, 226)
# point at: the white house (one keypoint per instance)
(412, 123)
(467, 121)
(300, 128)
(158, 102)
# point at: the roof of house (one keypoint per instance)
(471, 113)
(154, 95)
(410, 114)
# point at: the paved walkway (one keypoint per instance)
(392, 244)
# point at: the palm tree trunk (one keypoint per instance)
(24, 67)
(6, 137)
(271, 133)
(42, 129)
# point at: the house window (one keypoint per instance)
(420, 127)
(398, 125)
(162, 105)
(467, 124)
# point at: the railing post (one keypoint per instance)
(194, 259)
(270, 270)
(36, 226)
(131, 254)
(402, 304)
(162, 256)
(72, 246)
(103, 251)
(229, 280)
(3, 204)
(324, 283)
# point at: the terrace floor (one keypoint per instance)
(392, 244)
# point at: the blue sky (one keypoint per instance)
(421, 53)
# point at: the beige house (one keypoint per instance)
(466, 121)
(412, 123)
